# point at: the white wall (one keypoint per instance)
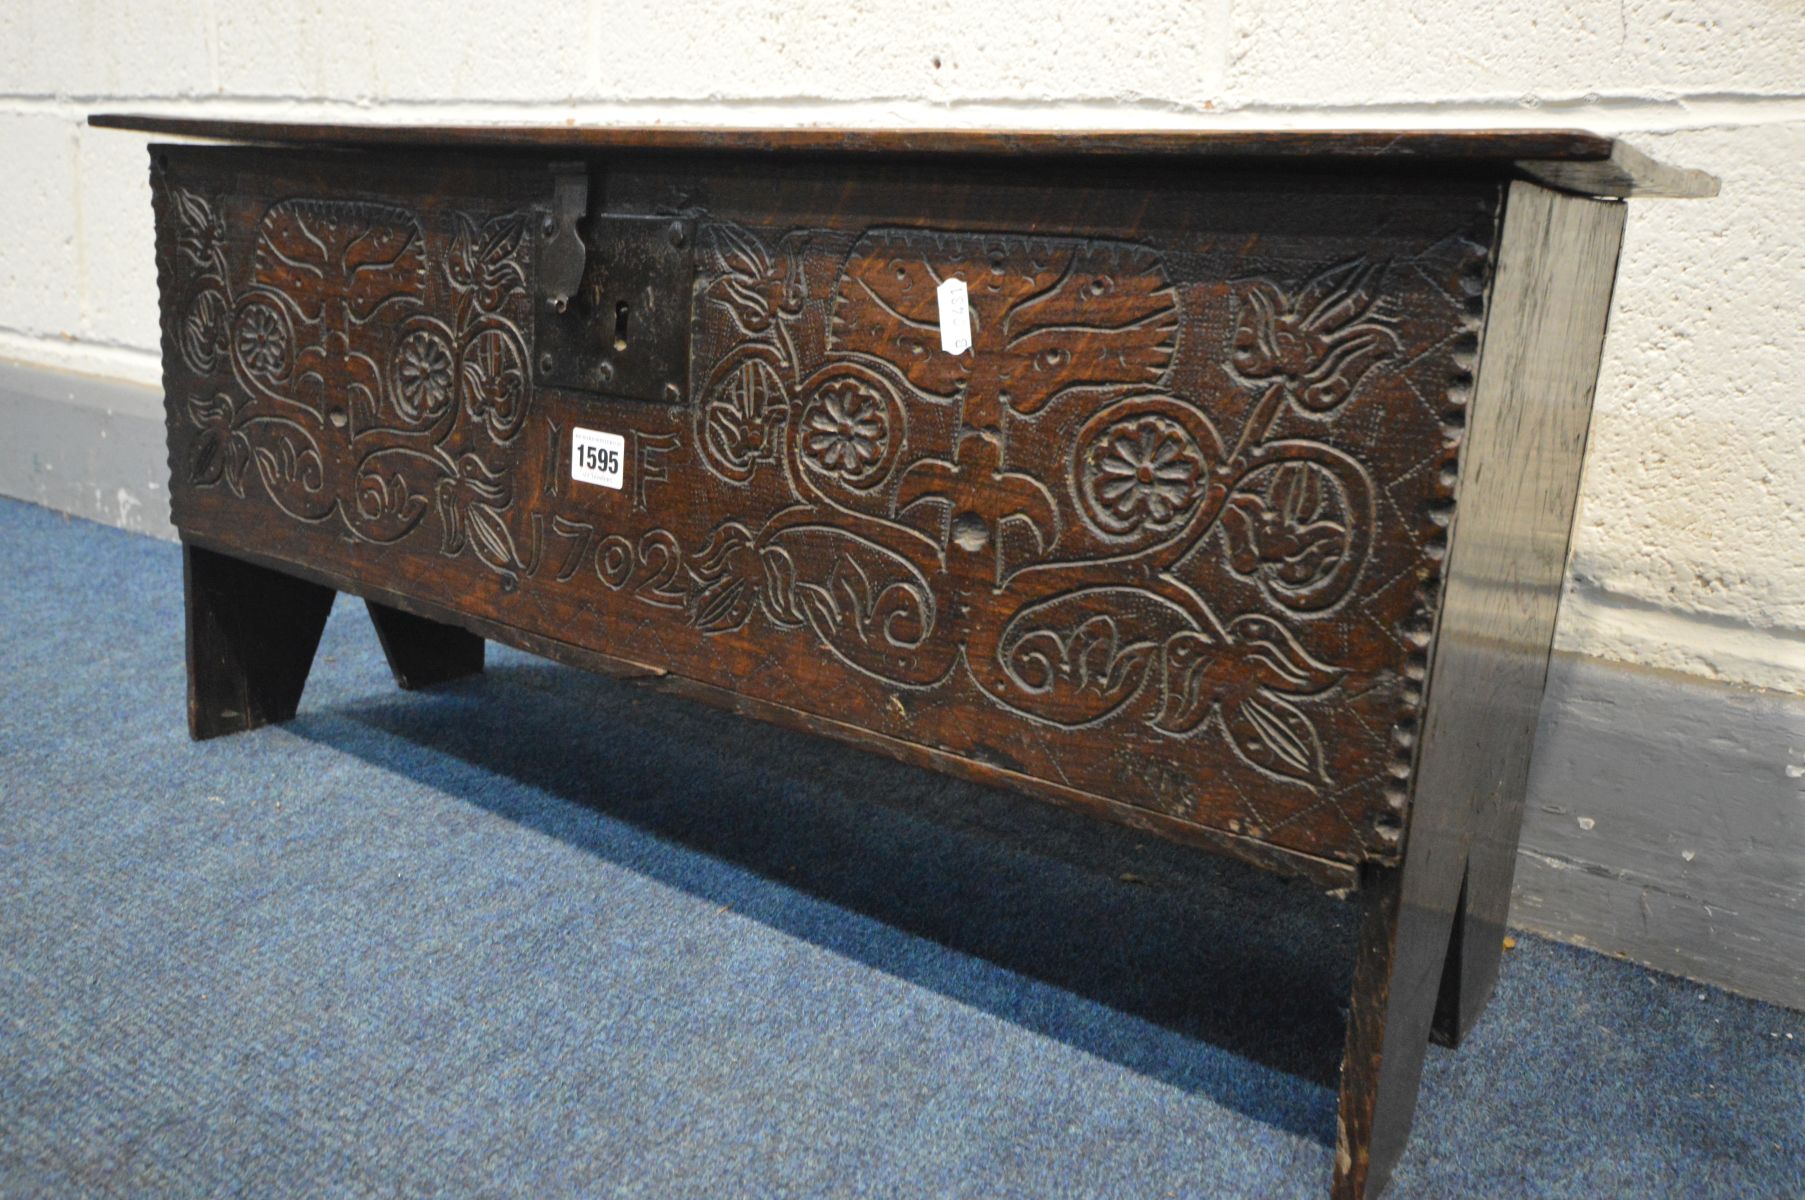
(1691, 552)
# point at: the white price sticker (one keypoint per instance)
(955, 317)
(597, 457)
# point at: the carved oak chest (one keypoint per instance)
(1216, 484)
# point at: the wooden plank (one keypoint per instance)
(1572, 160)
(952, 550)
(1533, 402)
(1519, 473)
(1625, 172)
(1438, 146)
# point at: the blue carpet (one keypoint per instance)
(541, 934)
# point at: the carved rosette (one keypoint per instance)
(1142, 472)
(846, 431)
(421, 377)
(851, 429)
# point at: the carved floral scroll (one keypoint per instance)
(1146, 500)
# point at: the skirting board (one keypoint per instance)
(85, 445)
(1666, 823)
(1666, 813)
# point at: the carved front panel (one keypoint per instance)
(1167, 534)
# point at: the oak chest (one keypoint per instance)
(1216, 484)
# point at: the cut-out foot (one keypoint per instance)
(421, 652)
(252, 633)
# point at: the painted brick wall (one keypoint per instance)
(1691, 552)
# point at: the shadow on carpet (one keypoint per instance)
(1205, 950)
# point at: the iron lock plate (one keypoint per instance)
(623, 330)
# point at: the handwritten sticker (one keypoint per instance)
(955, 317)
(597, 457)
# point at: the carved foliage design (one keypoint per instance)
(370, 370)
(1136, 504)
(1320, 339)
(1080, 336)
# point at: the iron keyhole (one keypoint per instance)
(621, 309)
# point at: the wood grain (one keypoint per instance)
(1533, 407)
(1519, 477)
(1168, 537)
(1566, 158)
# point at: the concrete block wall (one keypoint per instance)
(1690, 554)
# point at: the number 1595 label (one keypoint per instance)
(596, 457)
